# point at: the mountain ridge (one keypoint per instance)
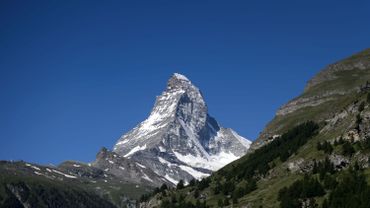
(180, 134)
(334, 84)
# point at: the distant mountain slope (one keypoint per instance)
(28, 185)
(314, 153)
(328, 92)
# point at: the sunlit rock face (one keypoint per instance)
(179, 140)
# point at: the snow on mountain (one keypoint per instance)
(179, 140)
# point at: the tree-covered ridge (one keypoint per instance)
(346, 189)
(261, 161)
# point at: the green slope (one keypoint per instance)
(327, 93)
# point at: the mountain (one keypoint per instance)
(314, 153)
(72, 184)
(180, 140)
(327, 93)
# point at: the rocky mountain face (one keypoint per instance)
(178, 141)
(324, 95)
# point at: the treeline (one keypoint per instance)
(241, 179)
(162, 189)
(301, 191)
(229, 189)
(348, 189)
(352, 191)
(260, 162)
(180, 202)
(347, 148)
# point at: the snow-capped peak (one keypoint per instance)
(181, 77)
(180, 132)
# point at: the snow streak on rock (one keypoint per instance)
(179, 140)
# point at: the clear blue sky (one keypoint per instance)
(75, 75)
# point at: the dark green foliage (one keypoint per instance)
(162, 189)
(250, 186)
(227, 187)
(180, 185)
(166, 204)
(365, 145)
(11, 201)
(226, 202)
(145, 197)
(325, 204)
(306, 188)
(204, 183)
(325, 146)
(239, 192)
(358, 119)
(173, 198)
(196, 193)
(235, 199)
(347, 149)
(283, 147)
(323, 168)
(368, 98)
(358, 122)
(352, 191)
(340, 141)
(220, 203)
(361, 107)
(217, 188)
(192, 182)
(181, 203)
(329, 182)
(181, 198)
(199, 204)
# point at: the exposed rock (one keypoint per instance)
(352, 135)
(125, 169)
(339, 161)
(303, 102)
(358, 61)
(297, 166)
(180, 140)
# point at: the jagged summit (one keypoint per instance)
(178, 81)
(179, 140)
(180, 77)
